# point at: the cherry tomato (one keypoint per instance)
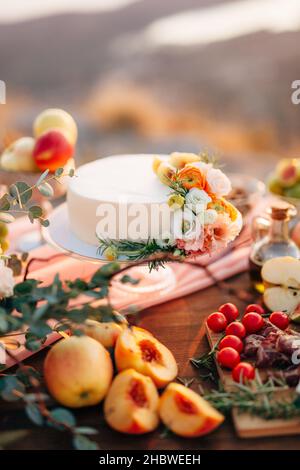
(216, 322)
(236, 328)
(243, 372)
(228, 357)
(253, 322)
(231, 341)
(255, 308)
(280, 319)
(230, 311)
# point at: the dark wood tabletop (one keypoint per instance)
(180, 325)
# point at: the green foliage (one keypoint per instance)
(19, 195)
(36, 304)
(150, 251)
(81, 442)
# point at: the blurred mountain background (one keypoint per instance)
(158, 76)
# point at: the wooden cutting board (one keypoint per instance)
(247, 425)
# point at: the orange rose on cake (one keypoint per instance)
(192, 177)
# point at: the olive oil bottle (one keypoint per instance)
(271, 240)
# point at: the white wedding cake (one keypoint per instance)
(138, 206)
(116, 180)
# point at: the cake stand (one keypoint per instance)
(60, 236)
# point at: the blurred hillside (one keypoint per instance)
(233, 96)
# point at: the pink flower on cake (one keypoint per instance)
(224, 230)
(218, 183)
(191, 246)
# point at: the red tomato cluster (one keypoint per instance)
(231, 345)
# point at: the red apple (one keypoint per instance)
(52, 150)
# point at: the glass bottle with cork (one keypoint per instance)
(271, 240)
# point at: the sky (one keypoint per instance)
(18, 10)
(199, 26)
(223, 22)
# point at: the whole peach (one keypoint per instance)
(52, 150)
(55, 118)
(78, 371)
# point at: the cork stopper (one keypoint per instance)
(281, 210)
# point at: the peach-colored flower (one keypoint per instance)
(218, 182)
(224, 230)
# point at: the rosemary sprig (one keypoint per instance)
(177, 187)
(207, 361)
(261, 399)
(155, 255)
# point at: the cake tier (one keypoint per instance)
(113, 182)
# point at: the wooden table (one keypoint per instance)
(180, 325)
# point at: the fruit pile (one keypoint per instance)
(79, 372)
(55, 135)
(286, 179)
(231, 344)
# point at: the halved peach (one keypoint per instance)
(131, 405)
(186, 413)
(105, 333)
(138, 349)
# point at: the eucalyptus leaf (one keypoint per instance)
(21, 191)
(4, 203)
(3, 322)
(35, 211)
(24, 374)
(25, 287)
(33, 344)
(46, 189)
(6, 218)
(42, 177)
(59, 171)
(40, 329)
(126, 279)
(86, 430)
(10, 385)
(34, 414)
(62, 417)
(81, 442)
(44, 222)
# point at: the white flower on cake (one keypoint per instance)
(197, 200)
(7, 281)
(187, 225)
(210, 216)
(218, 183)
